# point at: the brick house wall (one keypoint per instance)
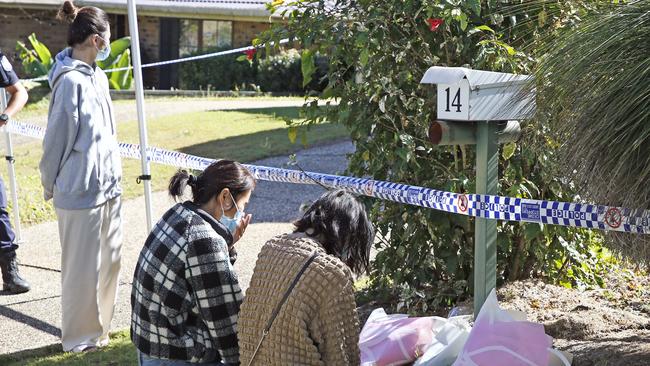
(149, 28)
(18, 24)
(244, 32)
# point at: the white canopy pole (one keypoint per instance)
(139, 98)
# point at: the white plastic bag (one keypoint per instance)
(396, 339)
(447, 343)
(505, 338)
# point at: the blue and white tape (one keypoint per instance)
(485, 206)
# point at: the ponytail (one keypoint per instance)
(83, 22)
(178, 183)
(68, 12)
(207, 185)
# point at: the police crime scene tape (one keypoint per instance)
(486, 206)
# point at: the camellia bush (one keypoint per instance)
(378, 52)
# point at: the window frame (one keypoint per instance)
(200, 34)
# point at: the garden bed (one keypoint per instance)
(599, 327)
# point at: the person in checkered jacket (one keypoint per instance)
(185, 297)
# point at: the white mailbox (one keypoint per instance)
(475, 95)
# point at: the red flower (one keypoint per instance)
(434, 23)
(250, 53)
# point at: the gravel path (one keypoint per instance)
(32, 320)
(279, 202)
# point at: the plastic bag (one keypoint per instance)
(396, 339)
(505, 338)
(447, 343)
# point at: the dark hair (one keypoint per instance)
(341, 223)
(84, 22)
(219, 175)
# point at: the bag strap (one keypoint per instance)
(278, 307)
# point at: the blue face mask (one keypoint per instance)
(231, 223)
(103, 54)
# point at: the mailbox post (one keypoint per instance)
(480, 107)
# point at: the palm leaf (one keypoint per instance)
(122, 79)
(117, 48)
(42, 51)
(31, 64)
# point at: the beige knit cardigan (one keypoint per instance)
(318, 324)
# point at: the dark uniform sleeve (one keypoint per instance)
(7, 75)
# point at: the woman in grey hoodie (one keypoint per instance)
(81, 170)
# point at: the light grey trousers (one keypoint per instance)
(91, 243)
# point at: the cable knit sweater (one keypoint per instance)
(318, 324)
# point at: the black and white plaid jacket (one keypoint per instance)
(186, 296)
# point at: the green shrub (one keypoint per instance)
(282, 73)
(216, 73)
(278, 73)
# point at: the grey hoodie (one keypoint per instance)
(81, 166)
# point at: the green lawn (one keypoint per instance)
(39, 106)
(119, 352)
(243, 135)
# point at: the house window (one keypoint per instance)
(198, 35)
(217, 34)
(189, 41)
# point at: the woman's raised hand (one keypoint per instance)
(241, 228)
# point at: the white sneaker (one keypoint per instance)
(83, 348)
(103, 341)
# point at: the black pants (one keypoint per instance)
(7, 234)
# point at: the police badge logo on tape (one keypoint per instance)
(6, 65)
(463, 203)
(613, 217)
(369, 188)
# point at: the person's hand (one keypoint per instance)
(241, 228)
(3, 122)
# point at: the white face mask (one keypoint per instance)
(231, 223)
(104, 53)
